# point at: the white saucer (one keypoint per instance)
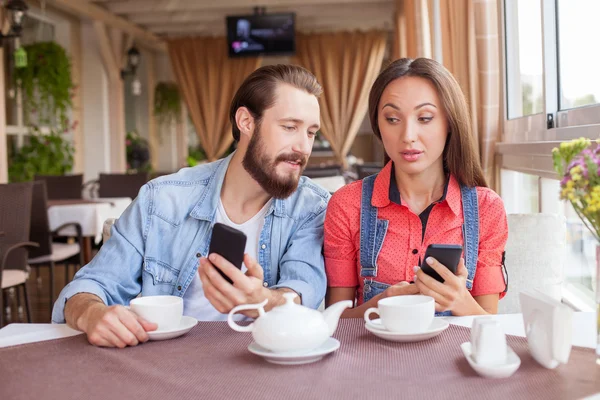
(376, 328)
(513, 362)
(308, 357)
(186, 324)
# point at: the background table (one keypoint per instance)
(90, 214)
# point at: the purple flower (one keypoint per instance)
(128, 142)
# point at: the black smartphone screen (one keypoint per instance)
(447, 254)
(229, 243)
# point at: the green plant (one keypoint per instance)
(49, 154)
(195, 155)
(138, 153)
(167, 103)
(46, 84)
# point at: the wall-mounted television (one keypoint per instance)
(261, 34)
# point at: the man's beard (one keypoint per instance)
(264, 169)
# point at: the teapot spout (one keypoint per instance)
(333, 312)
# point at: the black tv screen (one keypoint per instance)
(265, 34)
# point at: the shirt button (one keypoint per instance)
(179, 287)
(198, 255)
(265, 284)
(415, 251)
(263, 246)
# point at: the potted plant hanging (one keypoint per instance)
(167, 103)
(46, 85)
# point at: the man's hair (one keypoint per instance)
(257, 93)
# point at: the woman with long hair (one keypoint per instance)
(432, 190)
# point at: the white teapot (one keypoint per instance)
(290, 327)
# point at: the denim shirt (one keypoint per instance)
(155, 246)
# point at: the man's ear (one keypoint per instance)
(245, 122)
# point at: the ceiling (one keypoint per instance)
(173, 18)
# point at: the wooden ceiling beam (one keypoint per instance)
(150, 18)
(100, 14)
(165, 6)
(218, 29)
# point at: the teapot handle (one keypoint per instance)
(232, 324)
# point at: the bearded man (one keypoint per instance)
(159, 245)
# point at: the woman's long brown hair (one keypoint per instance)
(460, 157)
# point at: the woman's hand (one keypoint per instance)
(452, 295)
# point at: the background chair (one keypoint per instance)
(535, 257)
(322, 172)
(15, 212)
(49, 252)
(62, 187)
(121, 185)
(369, 169)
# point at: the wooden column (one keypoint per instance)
(412, 31)
(153, 134)
(182, 140)
(399, 42)
(77, 110)
(3, 149)
(111, 52)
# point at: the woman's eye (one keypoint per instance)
(289, 128)
(392, 120)
(312, 134)
(425, 119)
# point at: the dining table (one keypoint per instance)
(89, 213)
(212, 361)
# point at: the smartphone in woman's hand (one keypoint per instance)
(446, 254)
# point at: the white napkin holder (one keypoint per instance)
(548, 326)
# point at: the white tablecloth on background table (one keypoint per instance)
(90, 216)
(583, 329)
(330, 183)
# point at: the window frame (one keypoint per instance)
(527, 142)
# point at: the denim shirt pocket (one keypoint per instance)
(161, 273)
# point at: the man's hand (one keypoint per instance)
(246, 289)
(113, 326)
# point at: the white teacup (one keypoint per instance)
(165, 311)
(404, 314)
(488, 342)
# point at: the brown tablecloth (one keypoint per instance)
(212, 362)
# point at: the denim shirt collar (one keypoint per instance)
(206, 207)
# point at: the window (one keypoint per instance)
(552, 95)
(580, 261)
(524, 67)
(520, 192)
(526, 193)
(578, 63)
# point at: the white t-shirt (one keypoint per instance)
(195, 304)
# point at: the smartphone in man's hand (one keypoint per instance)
(230, 244)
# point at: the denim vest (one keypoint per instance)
(373, 231)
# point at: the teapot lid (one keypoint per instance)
(290, 307)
